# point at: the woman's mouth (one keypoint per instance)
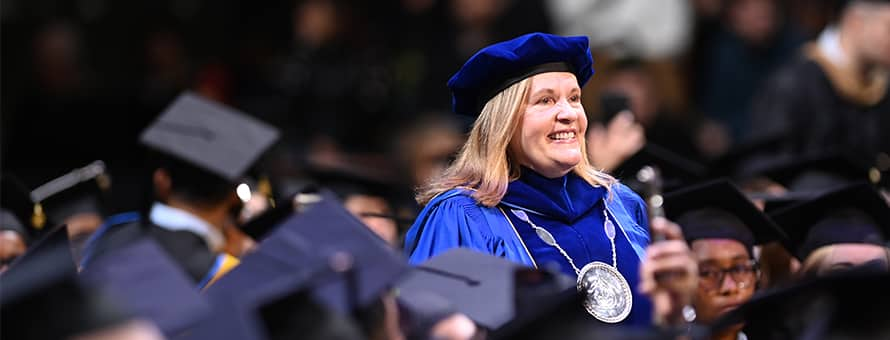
(562, 136)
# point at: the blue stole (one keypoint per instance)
(574, 212)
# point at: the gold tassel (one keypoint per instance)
(38, 218)
(264, 186)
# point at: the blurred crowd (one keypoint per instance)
(354, 79)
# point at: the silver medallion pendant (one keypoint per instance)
(608, 296)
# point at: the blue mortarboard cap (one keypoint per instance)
(419, 311)
(346, 265)
(54, 238)
(477, 284)
(718, 209)
(280, 308)
(210, 136)
(852, 214)
(334, 232)
(496, 67)
(145, 280)
(43, 299)
(279, 255)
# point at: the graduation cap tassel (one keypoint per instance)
(38, 217)
(264, 186)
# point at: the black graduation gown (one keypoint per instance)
(802, 110)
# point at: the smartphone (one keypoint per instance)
(611, 103)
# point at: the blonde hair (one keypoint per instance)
(816, 263)
(484, 162)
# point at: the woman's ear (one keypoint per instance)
(162, 184)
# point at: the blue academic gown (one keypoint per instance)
(568, 207)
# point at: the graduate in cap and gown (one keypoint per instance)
(18, 215)
(835, 96)
(43, 298)
(77, 199)
(844, 228)
(202, 150)
(323, 255)
(722, 227)
(523, 188)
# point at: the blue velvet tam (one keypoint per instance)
(496, 67)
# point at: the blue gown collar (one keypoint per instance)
(565, 199)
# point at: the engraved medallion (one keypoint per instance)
(609, 298)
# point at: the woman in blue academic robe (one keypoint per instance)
(522, 186)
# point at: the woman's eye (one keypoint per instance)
(575, 98)
(546, 100)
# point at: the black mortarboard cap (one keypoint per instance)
(419, 311)
(820, 173)
(853, 214)
(345, 182)
(15, 198)
(676, 170)
(280, 254)
(265, 222)
(42, 299)
(210, 136)
(81, 190)
(52, 239)
(748, 159)
(773, 202)
(145, 280)
(717, 209)
(9, 221)
(479, 285)
(846, 305)
(482, 286)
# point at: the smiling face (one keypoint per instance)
(552, 125)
